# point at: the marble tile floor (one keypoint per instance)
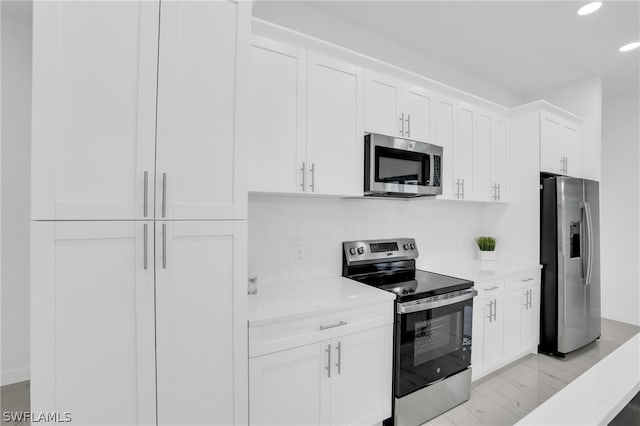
(501, 398)
(509, 394)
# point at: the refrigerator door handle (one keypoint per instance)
(587, 210)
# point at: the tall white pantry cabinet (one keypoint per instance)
(139, 209)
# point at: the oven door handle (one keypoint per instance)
(417, 306)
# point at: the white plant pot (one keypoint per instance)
(487, 255)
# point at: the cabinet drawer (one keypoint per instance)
(490, 288)
(291, 333)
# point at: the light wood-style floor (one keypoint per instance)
(507, 395)
(501, 398)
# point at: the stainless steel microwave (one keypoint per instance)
(402, 168)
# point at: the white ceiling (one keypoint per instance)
(522, 46)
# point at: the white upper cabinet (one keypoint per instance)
(199, 147)
(559, 151)
(500, 159)
(199, 275)
(418, 108)
(383, 97)
(445, 121)
(96, 77)
(334, 131)
(276, 116)
(306, 112)
(491, 156)
(464, 152)
(94, 102)
(92, 321)
(396, 108)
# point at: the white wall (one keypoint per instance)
(16, 136)
(584, 99)
(277, 225)
(298, 16)
(620, 208)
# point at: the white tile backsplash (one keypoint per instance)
(278, 224)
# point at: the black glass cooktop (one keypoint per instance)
(413, 284)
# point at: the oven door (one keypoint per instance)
(401, 166)
(433, 341)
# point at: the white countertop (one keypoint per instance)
(597, 395)
(289, 300)
(478, 271)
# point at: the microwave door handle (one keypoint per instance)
(432, 167)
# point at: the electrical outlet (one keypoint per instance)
(298, 255)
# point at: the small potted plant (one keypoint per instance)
(487, 246)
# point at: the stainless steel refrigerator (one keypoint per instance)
(570, 258)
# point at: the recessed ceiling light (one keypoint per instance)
(589, 8)
(630, 46)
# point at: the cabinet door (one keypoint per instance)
(500, 158)
(276, 114)
(570, 149)
(445, 133)
(464, 150)
(551, 152)
(417, 102)
(92, 321)
(484, 186)
(493, 331)
(530, 324)
(288, 387)
(514, 304)
(199, 169)
(383, 110)
(334, 133)
(94, 101)
(477, 337)
(200, 327)
(361, 374)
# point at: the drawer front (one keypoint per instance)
(490, 288)
(296, 332)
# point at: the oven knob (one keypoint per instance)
(352, 251)
(406, 246)
(405, 292)
(413, 246)
(360, 250)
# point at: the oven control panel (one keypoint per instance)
(372, 251)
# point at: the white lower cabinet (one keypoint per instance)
(148, 322)
(338, 381)
(505, 321)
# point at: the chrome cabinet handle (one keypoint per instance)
(303, 185)
(338, 324)
(463, 189)
(457, 189)
(530, 298)
(408, 125)
(164, 246)
(145, 207)
(313, 177)
(495, 310)
(339, 363)
(526, 279)
(495, 287)
(402, 124)
(164, 195)
(491, 311)
(328, 367)
(145, 246)
(499, 191)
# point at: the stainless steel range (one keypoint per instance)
(432, 337)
